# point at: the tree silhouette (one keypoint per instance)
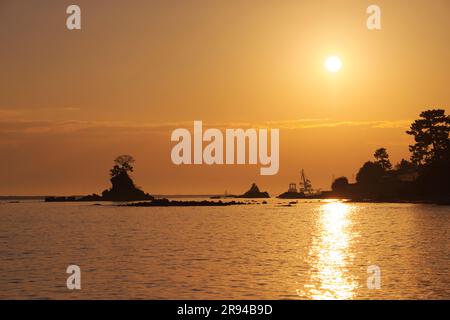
(370, 173)
(123, 164)
(340, 185)
(382, 158)
(405, 166)
(431, 134)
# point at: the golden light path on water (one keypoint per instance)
(329, 255)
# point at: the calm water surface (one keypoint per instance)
(315, 250)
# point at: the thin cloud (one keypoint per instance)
(7, 114)
(71, 126)
(327, 123)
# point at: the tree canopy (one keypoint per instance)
(122, 164)
(370, 173)
(431, 134)
(340, 184)
(382, 158)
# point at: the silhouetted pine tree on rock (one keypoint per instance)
(123, 187)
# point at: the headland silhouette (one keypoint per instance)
(423, 178)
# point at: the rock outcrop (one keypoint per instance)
(176, 203)
(123, 189)
(254, 193)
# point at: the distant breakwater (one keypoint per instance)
(177, 203)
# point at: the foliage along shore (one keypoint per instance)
(425, 178)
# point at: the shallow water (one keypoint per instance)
(315, 250)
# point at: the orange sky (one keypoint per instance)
(70, 101)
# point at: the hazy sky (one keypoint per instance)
(70, 101)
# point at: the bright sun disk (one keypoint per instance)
(333, 64)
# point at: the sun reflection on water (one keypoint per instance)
(329, 255)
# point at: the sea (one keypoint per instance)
(317, 249)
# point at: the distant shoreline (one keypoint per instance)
(159, 197)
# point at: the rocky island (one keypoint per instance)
(254, 193)
(123, 187)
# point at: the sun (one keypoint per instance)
(333, 64)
